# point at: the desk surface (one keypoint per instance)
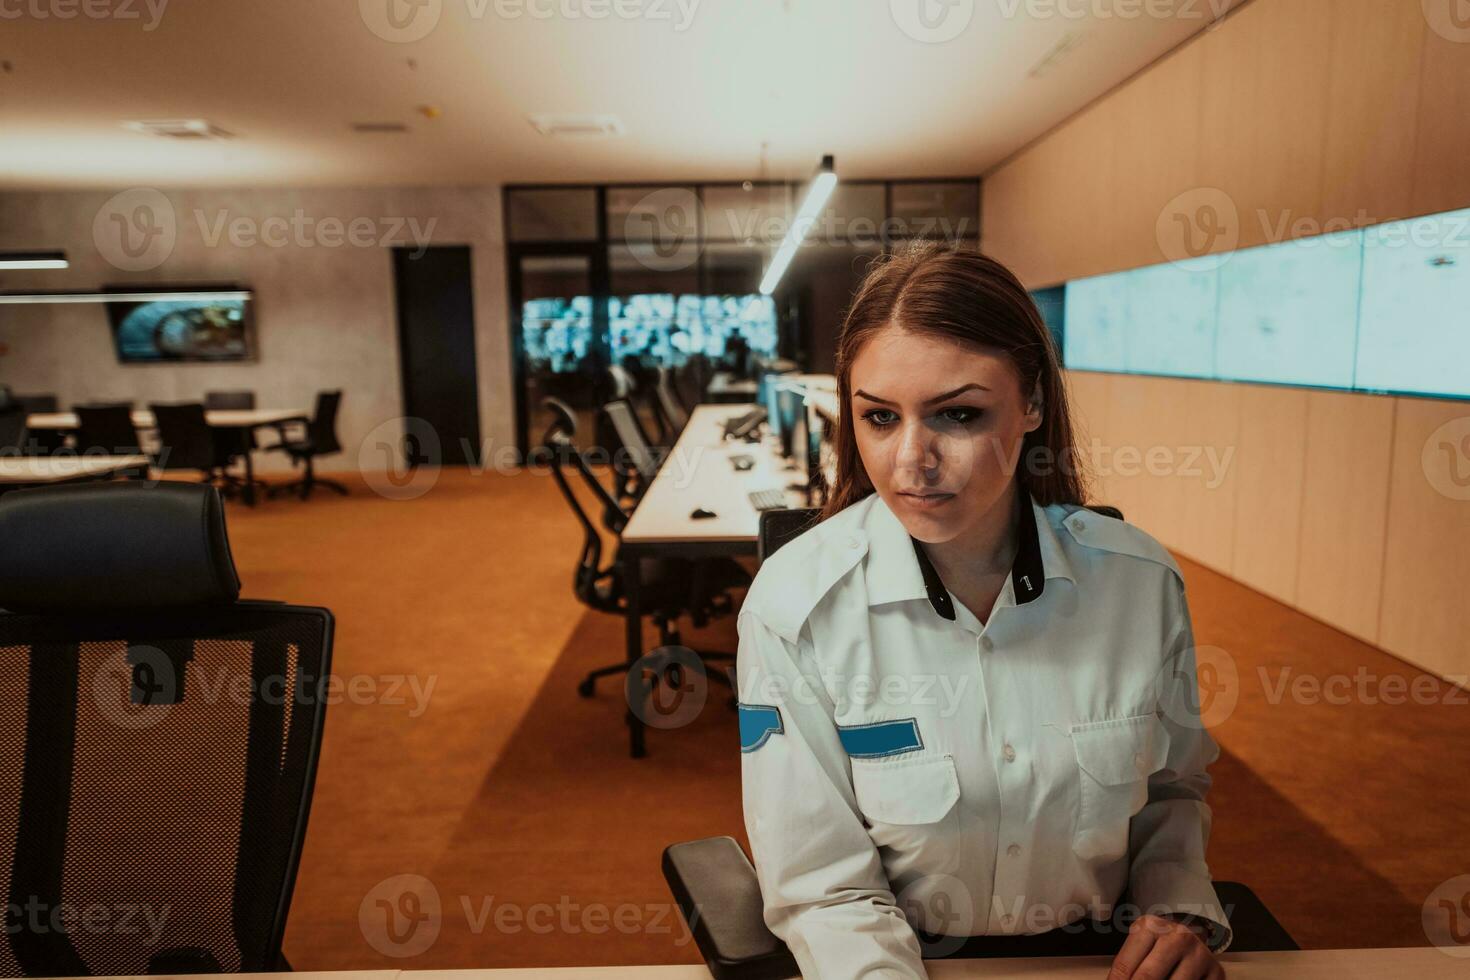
(698, 473)
(1413, 963)
(58, 469)
(232, 418)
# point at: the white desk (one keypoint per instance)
(725, 387)
(696, 473)
(233, 418)
(19, 471)
(1411, 963)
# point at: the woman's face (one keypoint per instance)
(939, 427)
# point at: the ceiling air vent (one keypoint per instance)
(379, 127)
(179, 129)
(568, 126)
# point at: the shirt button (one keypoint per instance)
(1007, 919)
(1079, 524)
(1009, 752)
(853, 542)
(1014, 850)
(987, 643)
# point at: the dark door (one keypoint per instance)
(436, 347)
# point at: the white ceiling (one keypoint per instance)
(698, 84)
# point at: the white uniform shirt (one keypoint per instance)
(906, 767)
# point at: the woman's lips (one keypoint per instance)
(926, 501)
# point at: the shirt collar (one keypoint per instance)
(898, 569)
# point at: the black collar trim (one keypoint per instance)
(1028, 574)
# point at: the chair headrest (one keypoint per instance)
(114, 547)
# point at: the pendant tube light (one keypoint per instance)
(33, 260)
(817, 193)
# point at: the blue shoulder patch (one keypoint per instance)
(758, 722)
(880, 738)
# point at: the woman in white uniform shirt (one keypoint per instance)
(969, 704)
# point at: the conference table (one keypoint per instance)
(242, 420)
(697, 473)
(1408, 963)
(19, 472)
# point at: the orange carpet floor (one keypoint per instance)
(472, 811)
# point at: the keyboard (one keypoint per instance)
(773, 499)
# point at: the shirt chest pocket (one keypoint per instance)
(1114, 760)
(912, 810)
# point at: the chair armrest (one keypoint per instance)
(716, 889)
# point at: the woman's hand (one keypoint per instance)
(1164, 949)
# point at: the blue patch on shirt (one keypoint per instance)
(758, 722)
(880, 738)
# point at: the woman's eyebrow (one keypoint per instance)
(928, 401)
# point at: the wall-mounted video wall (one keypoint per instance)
(1380, 309)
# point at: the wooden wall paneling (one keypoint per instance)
(1205, 474)
(1264, 116)
(1425, 616)
(1345, 509)
(1372, 110)
(1269, 467)
(1088, 395)
(1441, 178)
(1156, 150)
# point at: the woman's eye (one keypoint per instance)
(960, 415)
(879, 417)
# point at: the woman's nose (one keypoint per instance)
(916, 450)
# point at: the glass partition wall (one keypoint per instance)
(642, 277)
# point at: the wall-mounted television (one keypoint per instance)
(173, 324)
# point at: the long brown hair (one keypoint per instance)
(957, 293)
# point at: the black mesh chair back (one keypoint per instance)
(218, 401)
(12, 428)
(158, 737)
(634, 441)
(670, 403)
(186, 442)
(780, 527)
(322, 429)
(106, 429)
(592, 582)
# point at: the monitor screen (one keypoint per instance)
(183, 328)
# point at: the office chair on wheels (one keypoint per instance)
(134, 780)
(670, 588)
(719, 895)
(320, 439)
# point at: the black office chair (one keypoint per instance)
(107, 428)
(635, 460)
(320, 439)
(187, 442)
(133, 780)
(693, 378)
(41, 442)
(668, 588)
(670, 406)
(12, 429)
(218, 401)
